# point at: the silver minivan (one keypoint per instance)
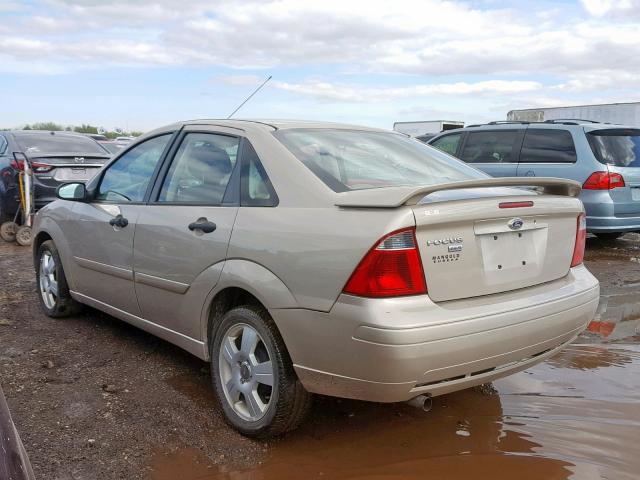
(604, 158)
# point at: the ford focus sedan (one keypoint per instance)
(301, 258)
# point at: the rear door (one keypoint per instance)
(619, 150)
(100, 233)
(493, 151)
(548, 152)
(183, 234)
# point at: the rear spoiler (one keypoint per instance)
(392, 197)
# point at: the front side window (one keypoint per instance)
(201, 169)
(354, 160)
(448, 143)
(616, 146)
(497, 146)
(548, 146)
(127, 179)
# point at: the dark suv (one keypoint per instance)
(56, 157)
(604, 158)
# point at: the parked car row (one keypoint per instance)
(603, 158)
(302, 257)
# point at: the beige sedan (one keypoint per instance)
(302, 258)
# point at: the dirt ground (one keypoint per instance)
(94, 398)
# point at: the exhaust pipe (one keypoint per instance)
(421, 401)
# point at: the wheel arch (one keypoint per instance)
(243, 282)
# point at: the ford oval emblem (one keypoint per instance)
(515, 223)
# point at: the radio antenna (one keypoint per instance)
(249, 97)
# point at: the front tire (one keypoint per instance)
(52, 284)
(253, 376)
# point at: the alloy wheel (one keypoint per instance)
(246, 372)
(48, 280)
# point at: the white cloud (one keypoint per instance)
(356, 93)
(601, 8)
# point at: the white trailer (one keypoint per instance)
(429, 127)
(619, 113)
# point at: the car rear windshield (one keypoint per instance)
(616, 146)
(355, 160)
(34, 144)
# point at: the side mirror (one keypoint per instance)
(72, 191)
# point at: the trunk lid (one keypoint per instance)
(472, 247)
(72, 168)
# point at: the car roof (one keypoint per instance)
(277, 124)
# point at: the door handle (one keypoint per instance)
(203, 225)
(119, 221)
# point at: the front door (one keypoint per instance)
(101, 235)
(183, 234)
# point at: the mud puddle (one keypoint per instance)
(575, 416)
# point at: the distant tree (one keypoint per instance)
(86, 129)
(136, 133)
(45, 126)
(27, 127)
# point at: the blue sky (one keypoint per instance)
(142, 64)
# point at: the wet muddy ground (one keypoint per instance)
(97, 399)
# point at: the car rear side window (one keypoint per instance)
(448, 143)
(3, 145)
(497, 146)
(127, 179)
(200, 171)
(256, 188)
(616, 146)
(547, 146)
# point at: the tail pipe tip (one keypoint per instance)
(421, 401)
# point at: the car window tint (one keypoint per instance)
(548, 146)
(127, 179)
(201, 169)
(257, 190)
(448, 143)
(3, 145)
(490, 147)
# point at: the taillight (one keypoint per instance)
(581, 238)
(41, 167)
(391, 268)
(17, 164)
(603, 181)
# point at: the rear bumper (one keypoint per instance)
(613, 224)
(390, 350)
(606, 215)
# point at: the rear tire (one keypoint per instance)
(8, 231)
(52, 284)
(248, 354)
(609, 236)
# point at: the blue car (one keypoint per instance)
(604, 158)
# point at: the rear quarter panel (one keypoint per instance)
(313, 251)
